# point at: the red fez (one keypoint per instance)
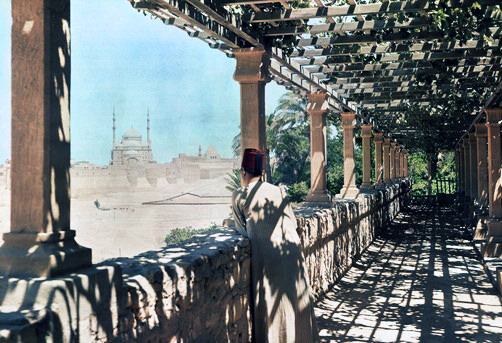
(253, 160)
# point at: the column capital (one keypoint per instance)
(378, 137)
(472, 138)
(393, 144)
(481, 130)
(317, 103)
(348, 119)
(386, 142)
(252, 65)
(493, 115)
(366, 130)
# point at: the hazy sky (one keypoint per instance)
(122, 58)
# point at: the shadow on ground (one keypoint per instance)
(420, 281)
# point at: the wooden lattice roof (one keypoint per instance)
(383, 60)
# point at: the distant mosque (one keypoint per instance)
(132, 150)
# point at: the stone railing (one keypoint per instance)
(195, 292)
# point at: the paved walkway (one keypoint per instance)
(420, 281)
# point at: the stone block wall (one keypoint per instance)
(198, 292)
(334, 238)
(195, 292)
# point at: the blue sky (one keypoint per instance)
(122, 58)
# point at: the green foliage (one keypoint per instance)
(288, 134)
(233, 180)
(181, 234)
(298, 191)
(442, 168)
(418, 172)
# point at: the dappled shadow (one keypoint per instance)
(420, 281)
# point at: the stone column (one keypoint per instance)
(493, 248)
(393, 161)
(467, 167)
(474, 167)
(317, 109)
(461, 183)
(399, 152)
(252, 74)
(457, 168)
(482, 154)
(493, 116)
(378, 138)
(40, 241)
(386, 161)
(349, 189)
(405, 162)
(366, 135)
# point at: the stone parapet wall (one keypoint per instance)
(334, 238)
(195, 292)
(198, 292)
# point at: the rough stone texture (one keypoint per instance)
(334, 238)
(195, 292)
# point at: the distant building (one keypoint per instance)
(5, 175)
(132, 151)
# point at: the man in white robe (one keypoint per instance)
(281, 305)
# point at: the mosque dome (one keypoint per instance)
(131, 134)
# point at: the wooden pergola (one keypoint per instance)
(380, 60)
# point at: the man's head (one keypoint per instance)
(252, 165)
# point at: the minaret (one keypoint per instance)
(148, 124)
(114, 125)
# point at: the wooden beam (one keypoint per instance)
(488, 80)
(461, 66)
(245, 2)
(231, 21)
(356, 50)
(364, 39)
(341, 28)
(355, 10)
(417, 71)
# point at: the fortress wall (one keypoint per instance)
(197, 291)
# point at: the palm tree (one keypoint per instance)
(290, 113)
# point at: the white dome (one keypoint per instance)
(131, 134)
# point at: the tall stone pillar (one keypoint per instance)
(399, 152)
(467, 167)
(366, 135)
(474, 167)
(405, 162)
(378, 138)
(252, 74)
(317, 109)
(457, 168)
(493, 248)
(40, 241)
(393, 161)
(482, 154)
(349, 189)
(493, 117)
(461, 183)
(386, 161)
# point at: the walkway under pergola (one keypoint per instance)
(412, 75)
